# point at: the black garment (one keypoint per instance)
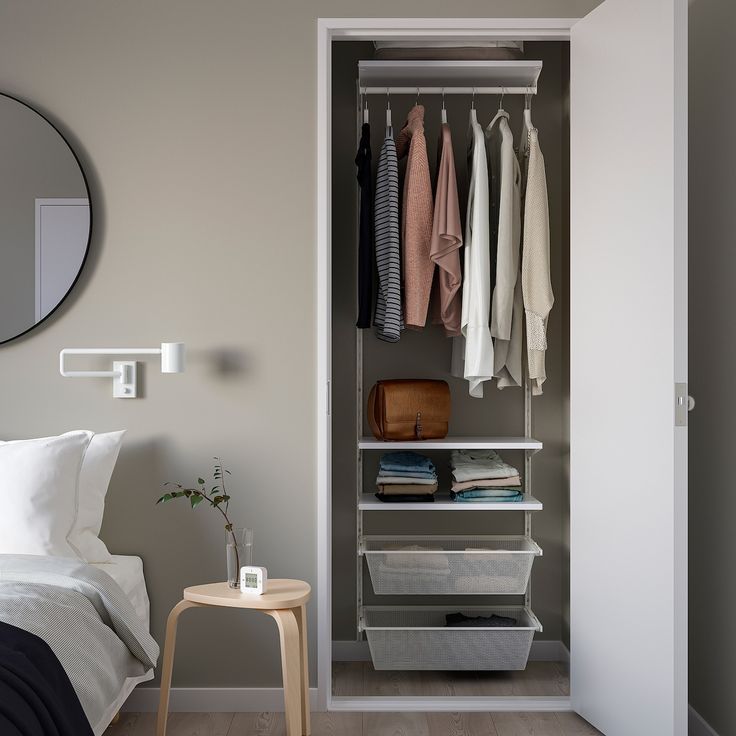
(460, 620)
(36, 696)
(365, 242)
(402, 497)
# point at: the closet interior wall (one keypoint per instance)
(427, 354)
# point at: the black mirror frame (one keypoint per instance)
(91, 218)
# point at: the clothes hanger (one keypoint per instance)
(444, 112)
(388, 109)
(528, 109)
(365, 109)
(501, 113)
(473, 113)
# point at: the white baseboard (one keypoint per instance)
(697, 725)
(542, 651)
(213, 700)
(271, 699)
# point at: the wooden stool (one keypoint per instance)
(284, 600)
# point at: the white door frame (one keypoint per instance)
(360, 29)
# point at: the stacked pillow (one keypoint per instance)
(52, 494)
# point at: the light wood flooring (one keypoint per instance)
(360, 724)
(539, 678)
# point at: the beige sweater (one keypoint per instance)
(447, 239)
(416, 220)
(535, 265)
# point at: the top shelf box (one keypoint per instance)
(521, 73)
(455, 443)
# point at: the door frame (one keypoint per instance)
(362, 29)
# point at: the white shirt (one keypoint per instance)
(506, 301)
(472, 352)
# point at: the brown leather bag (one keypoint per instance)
(409, 409)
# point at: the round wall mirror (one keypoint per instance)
(45, 218)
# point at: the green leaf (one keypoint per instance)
(200, 481)
(228, 472)
(164, 498)
(228, 527)
(226, 497)
(217, 500)
(195, 501)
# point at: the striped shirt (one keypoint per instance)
(388, 319)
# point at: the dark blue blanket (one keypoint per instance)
(36, 696)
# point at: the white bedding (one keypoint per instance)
(127, 572)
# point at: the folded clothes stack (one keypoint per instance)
(481, 475)
(406, 476)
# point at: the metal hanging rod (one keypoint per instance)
(448, 90)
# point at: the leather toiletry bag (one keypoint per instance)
(409, 409)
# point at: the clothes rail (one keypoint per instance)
(448, 90)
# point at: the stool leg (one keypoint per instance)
(290, 666)
(301, 620)
(168, 664)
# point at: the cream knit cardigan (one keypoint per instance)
(535, 263)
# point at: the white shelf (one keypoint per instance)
(514, 74)
(455, 443)
(443, 502)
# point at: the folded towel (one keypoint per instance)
(406, 461)
(405, 480)
(487, 483)
(477, 464)
(422, 563)
(392, 489)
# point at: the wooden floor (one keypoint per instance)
(539, 678)
(360, 724)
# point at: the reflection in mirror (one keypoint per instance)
(44, 218)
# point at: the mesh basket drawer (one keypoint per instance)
(416, 638)
(449, 565)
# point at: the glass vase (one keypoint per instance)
(239, 553)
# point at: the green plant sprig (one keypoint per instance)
(218, 498)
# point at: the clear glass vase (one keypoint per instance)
(239, 553)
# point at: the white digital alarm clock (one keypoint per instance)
(253, 580)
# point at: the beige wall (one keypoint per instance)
(712, 361)
(196, 125)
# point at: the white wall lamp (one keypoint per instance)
(125, 372)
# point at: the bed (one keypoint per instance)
(74, 619)
(75, 641)
(127, 572)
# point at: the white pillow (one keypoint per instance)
(38, 493)
(97, 466)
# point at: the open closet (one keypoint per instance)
(515, 599)
(412, 563)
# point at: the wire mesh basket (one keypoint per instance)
(449, 565)
(417, 638)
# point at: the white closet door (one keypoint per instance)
(628, 349)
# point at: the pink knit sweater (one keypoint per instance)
(416, 219)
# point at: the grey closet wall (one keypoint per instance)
(427, 353)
